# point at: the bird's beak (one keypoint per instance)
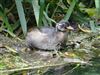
(70, 28)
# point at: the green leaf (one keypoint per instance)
(70, 10)
(21, 16)
(49, 19)
(5, 20)
(47, 7)
(2, 65)
(92, 25)
(36, 9)
(42, 4)
(45, 22)
(97, 4)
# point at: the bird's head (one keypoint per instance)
(63, 26)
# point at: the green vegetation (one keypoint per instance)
(17, 17)
(45, 12)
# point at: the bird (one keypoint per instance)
(48, 38)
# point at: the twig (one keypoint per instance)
(72, 69)
(10, 49)
(33, 67)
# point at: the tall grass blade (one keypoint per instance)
(36, 9)
(49, 19)
(5, 19)
(97, 5)
(42, 4)
(70, 10)
(45, 22)
(21, 15)
(92, 25)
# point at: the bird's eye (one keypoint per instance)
(62, 26)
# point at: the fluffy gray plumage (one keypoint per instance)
(47, 38)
